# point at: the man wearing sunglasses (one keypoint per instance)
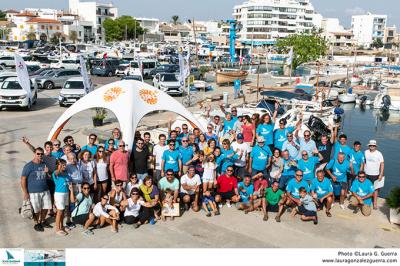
(362, 191)
(83, 205)
(91, 146)
(227, 188)
(186, 152)
(293, 189)
(34, 188)
(169, 181)
(306, 143)
(374, 167)
(157, 155)
(57, 151)
(69, 140)
(119, 161)
(171, 159)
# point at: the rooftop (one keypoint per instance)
(43, 20)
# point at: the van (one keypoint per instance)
(148, 65)
(106, 67)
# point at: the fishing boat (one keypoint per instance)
(387, 99)
(347, 97)
(229, 76)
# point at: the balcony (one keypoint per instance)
(108, 14)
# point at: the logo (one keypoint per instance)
(10, 258)
(262, 156)
(20, 65)
(112, 94)
(149, 96)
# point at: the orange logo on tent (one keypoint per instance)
(112, 94)
(148, 96)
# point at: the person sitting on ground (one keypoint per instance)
(133, 182)
(362, 191)
(246, 190)
(273, 201)
(322, 191)
(117, 195)
(34, 187)
(150, 195)
(293, 188)
(227, 188)
(169, 182)
(82, 211)
(91, 146)
(260, 183)
(103, 213)
(190, 189)
(307, 208)
(134, 212)
(209, 203)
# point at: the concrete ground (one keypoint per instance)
(231, 229)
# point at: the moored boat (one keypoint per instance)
(223, 77)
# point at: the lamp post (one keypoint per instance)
(195, 41)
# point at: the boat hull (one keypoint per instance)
(230, 77)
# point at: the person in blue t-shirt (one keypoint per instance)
(357, 159)
(171, 159)
(308, 164)
(288, 172)
(246, 191)
(91, 146)
(227, 157)
(322, 190)
(281, 133)
(229, 123)
(57, 151)
(184, 133)
(266, 128)
(337, 169)
(341, 146)
(362, 191)
(260, 158)
(292, 189)
(186, 152)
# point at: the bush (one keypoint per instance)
(100, 113)
(393, 200)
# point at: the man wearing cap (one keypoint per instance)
(357, 159)
(260, 158)
(374, 166)
(243, 149)
(362, 191)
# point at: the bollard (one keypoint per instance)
(225, 98)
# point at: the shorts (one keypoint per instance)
(320, 205)
(273, 208)
(102, 182)
(40, 201)
(305, 212)
(226, 195)
(208, 179)
(61, 200)
(372, 178)
(80, 219)
(206, 200)
(182, 195)
(344, 185)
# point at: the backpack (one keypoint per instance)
(26, 210)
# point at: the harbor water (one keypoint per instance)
(365, 124)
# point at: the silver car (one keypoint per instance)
(56, 79)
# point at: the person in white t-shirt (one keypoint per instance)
(190, 187)
(158, 151)
(134, 213)
(374, 167)
(242, 149)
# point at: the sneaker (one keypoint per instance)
(316, 220)
(208, 214)
(71, 225)
(45, 224)
(355, 211)
(328, 213)
(217, 213)
(265, 218)
(228, 205)
(187, 207)
(220, 205)
(342, 206)
(87, 232)
(38, 228)
(136, 226)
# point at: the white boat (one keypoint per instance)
(355, 80)
(347, 97)
(387, 99)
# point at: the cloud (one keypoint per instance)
(355, 11)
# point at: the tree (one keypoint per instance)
(377, 43)
(306, 47)
(121, 28)
(175, 19)
(31, 36)
(2, 15)
(73, 36)
(55, 39)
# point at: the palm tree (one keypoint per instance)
(175, 19)
(73, 36)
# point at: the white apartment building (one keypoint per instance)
(335, 34)
(152, 25)
(262, 22)
(367, 28)
(95, 13)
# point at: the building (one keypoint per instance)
(5, 29)
(390, 35)
(175, 33)
(336, 35)
(368, 28)
(95, 13)
(262, 22)
(152, 25)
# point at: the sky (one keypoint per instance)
(222, 9)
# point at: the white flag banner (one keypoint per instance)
(86, 80)
(290, 59)
(184, 67)
(22, 75)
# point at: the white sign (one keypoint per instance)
(86, 80)
(22, 75)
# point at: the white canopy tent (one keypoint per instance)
(130, 101)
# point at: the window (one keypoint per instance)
(50, 27)
(58, 27)
(42, 27)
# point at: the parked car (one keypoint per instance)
(72, 91)
(123, 65)
(167, 82)
(9, 60)
(148, 65)
(106, 67)
(67, 64)
(167, 68)
(133, 77)
(195, 72)
(56, 78)
(12, 94)
(32, 68)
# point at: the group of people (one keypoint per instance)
(239, 160)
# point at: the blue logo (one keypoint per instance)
(9, 255)
(11, 260)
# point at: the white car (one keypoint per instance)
(167, 82)
(12, 94)
(72, 91)
(67, 64)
